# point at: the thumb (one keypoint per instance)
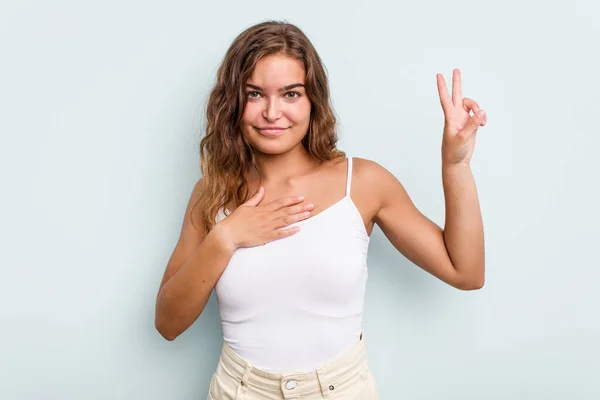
(474, 123)
(256, 198)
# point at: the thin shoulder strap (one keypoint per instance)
(349, 177)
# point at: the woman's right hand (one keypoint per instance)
(254, 224)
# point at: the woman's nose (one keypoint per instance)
(272, 111)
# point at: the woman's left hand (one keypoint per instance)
(460, 128)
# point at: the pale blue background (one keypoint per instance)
(101, 108)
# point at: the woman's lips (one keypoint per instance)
(272, 131)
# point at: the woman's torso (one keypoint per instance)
(293, 304)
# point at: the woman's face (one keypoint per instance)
(277, 113)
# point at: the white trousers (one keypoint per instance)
(348, 377)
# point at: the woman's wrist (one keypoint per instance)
(224, 237)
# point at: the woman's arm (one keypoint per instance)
(463, 229)
(455, 254)
(445, 254)
(192, 272)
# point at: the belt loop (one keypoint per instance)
(243, 384)
(325, 390)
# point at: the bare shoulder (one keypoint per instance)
(372, 178)
(364, 168)
(361, 167)
(371, 184)
(190, 236)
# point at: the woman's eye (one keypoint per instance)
(289, 95)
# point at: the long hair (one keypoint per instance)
(225, 155)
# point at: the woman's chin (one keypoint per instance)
(273, 147)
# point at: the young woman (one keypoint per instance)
(280, 222)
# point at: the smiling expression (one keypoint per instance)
(277, 113)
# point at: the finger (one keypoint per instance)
(286, 220)
(484, 120)
(297, 208)
(283, 233)
(256, 198)
(456, 88)
(284, 202)
(470, 104)
(473, 123)
(445, 99)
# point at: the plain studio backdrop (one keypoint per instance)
(101, 113)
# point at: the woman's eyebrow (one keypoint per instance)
(283, 89)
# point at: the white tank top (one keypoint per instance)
(296, 303)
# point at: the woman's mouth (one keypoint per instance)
(271, 131)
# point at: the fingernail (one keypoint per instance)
(480, 113)
(310, 205)
(300, 198)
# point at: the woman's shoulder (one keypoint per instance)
(368, 170)
(363, 169)
(358, 163)
(371, 179)
(368, 186)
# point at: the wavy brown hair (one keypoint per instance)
(225, 155)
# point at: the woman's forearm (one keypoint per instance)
(463, 230)
(183, 298)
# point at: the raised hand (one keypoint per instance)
(460, 127)
(253, 224)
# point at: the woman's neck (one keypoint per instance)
(283, 168)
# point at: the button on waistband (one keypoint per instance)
(291, 384)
